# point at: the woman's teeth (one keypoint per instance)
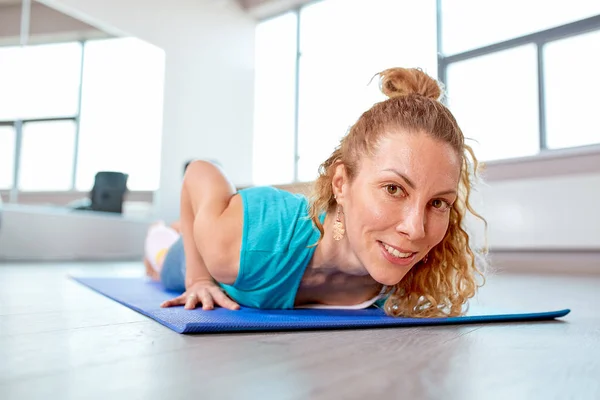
(395, 252)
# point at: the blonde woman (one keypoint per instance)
(384, 225)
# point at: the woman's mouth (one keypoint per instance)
(397, 256)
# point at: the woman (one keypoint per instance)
(384, 224)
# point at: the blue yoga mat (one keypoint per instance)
(145, 297)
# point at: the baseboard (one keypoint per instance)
(552, 261)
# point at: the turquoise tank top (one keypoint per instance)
(277, 246)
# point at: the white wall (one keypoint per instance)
(550, 213)
(209, 91)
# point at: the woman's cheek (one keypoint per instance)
(440, 226)
(378, 214)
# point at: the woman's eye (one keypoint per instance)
(392, 189)
(440, 204)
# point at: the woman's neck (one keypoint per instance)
(334, 274)
(335, 256)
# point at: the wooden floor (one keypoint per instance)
(60, 340)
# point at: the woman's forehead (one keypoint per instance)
(416, 154)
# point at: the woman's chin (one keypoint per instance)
(387, 273)
(387, 278)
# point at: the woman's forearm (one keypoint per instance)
(195, 267)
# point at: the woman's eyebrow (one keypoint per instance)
(412, 185)
(451, 191)
(404, 177)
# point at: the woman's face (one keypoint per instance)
(398, 206)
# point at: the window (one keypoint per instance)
(117, 122)
(468, 24)
(47, 154)
(512, 97)
(572, 89)
(39, 81)
(524, 87)
(273, 142)
(344, 43)
(7, 156)
(495, 101)
(121, 112)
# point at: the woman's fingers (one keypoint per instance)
(224, 301)
(191, 301)
(207, 300)
(177, 301)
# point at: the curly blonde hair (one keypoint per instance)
(443, 285)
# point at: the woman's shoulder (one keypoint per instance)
(275, 218)
(272, 196)
(270, 191)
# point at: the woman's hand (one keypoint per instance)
(204, 292)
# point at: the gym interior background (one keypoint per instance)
(93, 88)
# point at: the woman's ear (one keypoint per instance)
(339, 181)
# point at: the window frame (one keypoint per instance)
(548, 162)
(14, 125)
(14, 192)
(581, 159)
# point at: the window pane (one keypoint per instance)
(7, 156)
(121, 112)
(39, 81)
(571, 67)
(47, 156)
(273, 158)
(343, 44)
(495, 101)
(468, 24)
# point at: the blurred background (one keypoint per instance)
(102, 102)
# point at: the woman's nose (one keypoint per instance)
(413, 224)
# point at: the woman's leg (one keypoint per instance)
(150, 271)
(172, 274)
(158, 241)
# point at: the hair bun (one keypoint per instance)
(396, 82)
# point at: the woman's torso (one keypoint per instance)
(270, 240)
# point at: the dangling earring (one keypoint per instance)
(338, 226)
(425, 259)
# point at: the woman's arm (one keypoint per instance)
(195, 267)
(205, 197)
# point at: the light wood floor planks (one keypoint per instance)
(60, 340)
